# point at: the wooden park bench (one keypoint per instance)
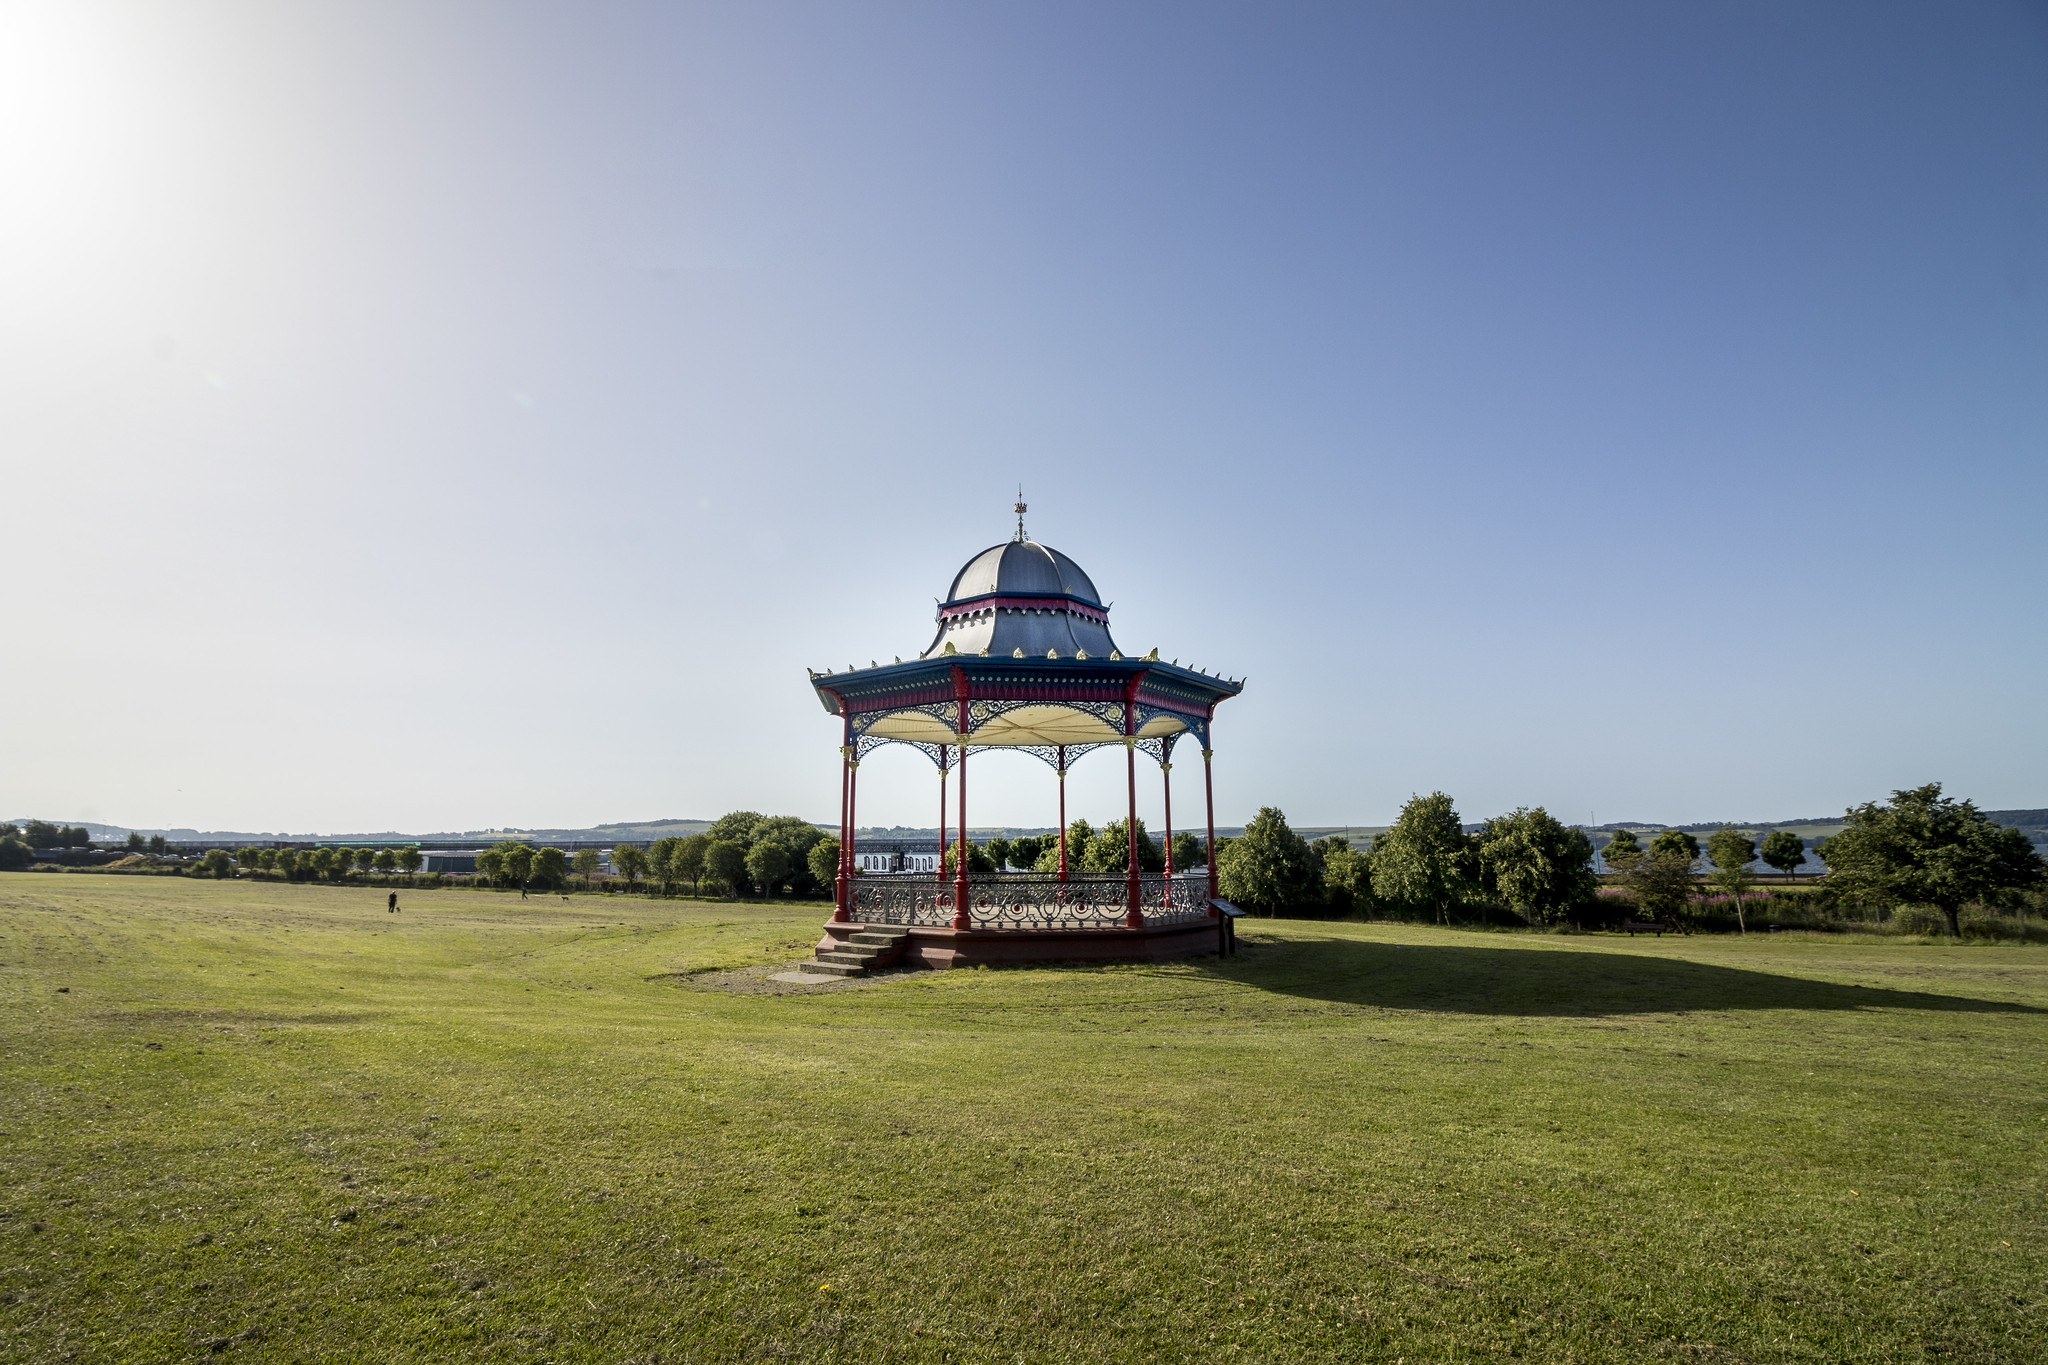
(1657, 927)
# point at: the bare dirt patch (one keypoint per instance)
(761, 980)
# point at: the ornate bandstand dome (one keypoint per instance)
(1026, 600)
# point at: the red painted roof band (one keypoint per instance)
(969, 606)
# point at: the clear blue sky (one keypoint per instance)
(480, 414)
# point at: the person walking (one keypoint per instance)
(391, 906)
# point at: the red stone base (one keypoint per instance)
(1015, 947)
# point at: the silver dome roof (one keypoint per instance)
(1022, 568)
(1021, 596)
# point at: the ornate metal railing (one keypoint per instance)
(1033, 901)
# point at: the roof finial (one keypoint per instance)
(1020, 511)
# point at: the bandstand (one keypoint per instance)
(1023, 659)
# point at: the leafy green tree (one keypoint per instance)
(286, 861)
(630, 862)
(1676, 841)
(340, 862)
(15, 853)
(1538, 865)
(1079, 833)
(1187, 852)
(266, 858)
(725, 863)
(366, 858)
(1661, 886)
(1269, 868)
(768, 865)
(736, 827)
(410, 858)
(1923, 848)
(795, 837)
(1347, 874)
(490, 864)
(998, 850)
(823, 861)
(549, 868)
(979, 864)
(1109, 852)
(1621, 850)
(135, 841)
(585, 862)
(1784, 851)
(1731, 852)
(518, 862)
(248, 858)
(1424, 859)
(659, 857)
(43, 834)
(159, 845)
(218, 863)
(386, 861)
(688, 858)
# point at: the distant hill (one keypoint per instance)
(644, 829)
(2034, 822)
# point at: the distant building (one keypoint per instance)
(879, 857)
(449, 860)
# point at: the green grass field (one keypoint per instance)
(272, 1122)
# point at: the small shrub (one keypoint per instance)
(1917, 919)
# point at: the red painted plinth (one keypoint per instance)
(935, 947)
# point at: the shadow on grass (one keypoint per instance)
(1478, 980)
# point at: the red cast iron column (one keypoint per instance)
(852, 824)
(839, 886)
(940, 871)
(1134, 916)
(1063, 812)
(1166, 780)
(961, 919)
(1209, 794)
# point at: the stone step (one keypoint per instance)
(824, 968)
(869, 938)
(862, 949)
(888, 931)
(860, 960)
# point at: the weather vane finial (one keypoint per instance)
(1020, 511)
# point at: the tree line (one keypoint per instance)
(743, 853)
(1918, 849)
(1090, 852)
(19, 843)
(333, 863)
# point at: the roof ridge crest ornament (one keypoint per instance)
(1020, 509)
